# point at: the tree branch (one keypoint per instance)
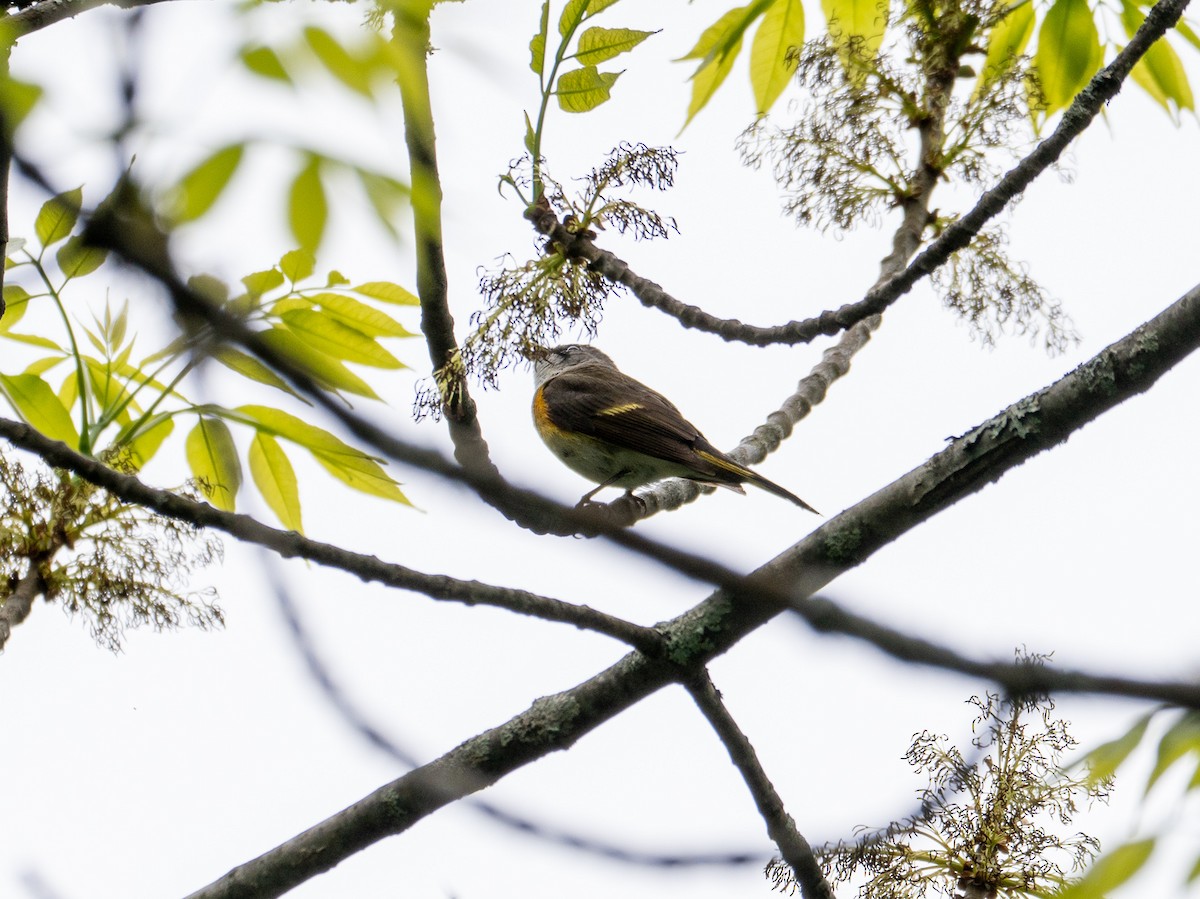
(290, 544)
(16, 606)
(1038, 422)
(782, 829)
(1085, 107)
(43, 13)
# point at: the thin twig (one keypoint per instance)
(44, 13)
(16, 606)
(794, 849)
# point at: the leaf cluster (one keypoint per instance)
(114, 565)
(990, 825)
(127, 406)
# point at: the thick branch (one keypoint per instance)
(794, 849)
(1036, 423)
(16, 606)
(1086, 106)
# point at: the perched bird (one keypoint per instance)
(619, 433)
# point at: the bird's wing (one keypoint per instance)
(604, 403)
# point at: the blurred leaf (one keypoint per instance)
(1160, 72)
(57, 216)
(276, 480)
(1068, 52)
(1109, 871)
(38, 404)
(297, 265)
(249, 367)
(388, 292)
(327, 372)
(537, 45)
(265, 62)
(108, 389)
(335, 279)
(1181, 738)
(339, 61)
(385, 194)
(34, 340)
(259, 283)
(582, 90)
(602, 44)
(16, 301)
(1194, 872)
(781, 30)
(530, 136)
(717, 48)
(327, 335)
(200, 188)
(1103, 761)
(17, 99)
(213, 459)
(76, 259)
(43, 365)
(307, 208)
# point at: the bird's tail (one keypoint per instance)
(743, 473)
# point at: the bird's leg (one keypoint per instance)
(587, 497)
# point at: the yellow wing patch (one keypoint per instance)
(621, 409)
(726, 464)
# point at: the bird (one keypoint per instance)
(617, 432)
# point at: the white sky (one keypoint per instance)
(152, 772)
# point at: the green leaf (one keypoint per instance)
(38, 404)
(366, 319)
(537, 44)
(339, 61)
(1189, 34)
(16, 304)
(576, 12)
(43, 365)
(601, 44)
(327, 372)
(259, 283)
(327, 335)
(283, 424)
(1103, 761)
(290, 303)
(203, 184)
(863, 20)
(717, 48)
(1181, 738)
(265, 62)
(249, 367)
(582, 90)
(1160, 72)
(17, 99)
(1194, 872)
(335, 279)
(297, 265)
(363, 474)
(34, 340)
(146, 444)
(308, 210)
(276, 480)
(385, 194)
(388, 292)
(213, 459)
(1109, 871)
(76, 258)
(109, 392)
(782, 29)
(58, 216)
(530, 136)
(1008, 40)
(1068, 52)
(707, 79)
